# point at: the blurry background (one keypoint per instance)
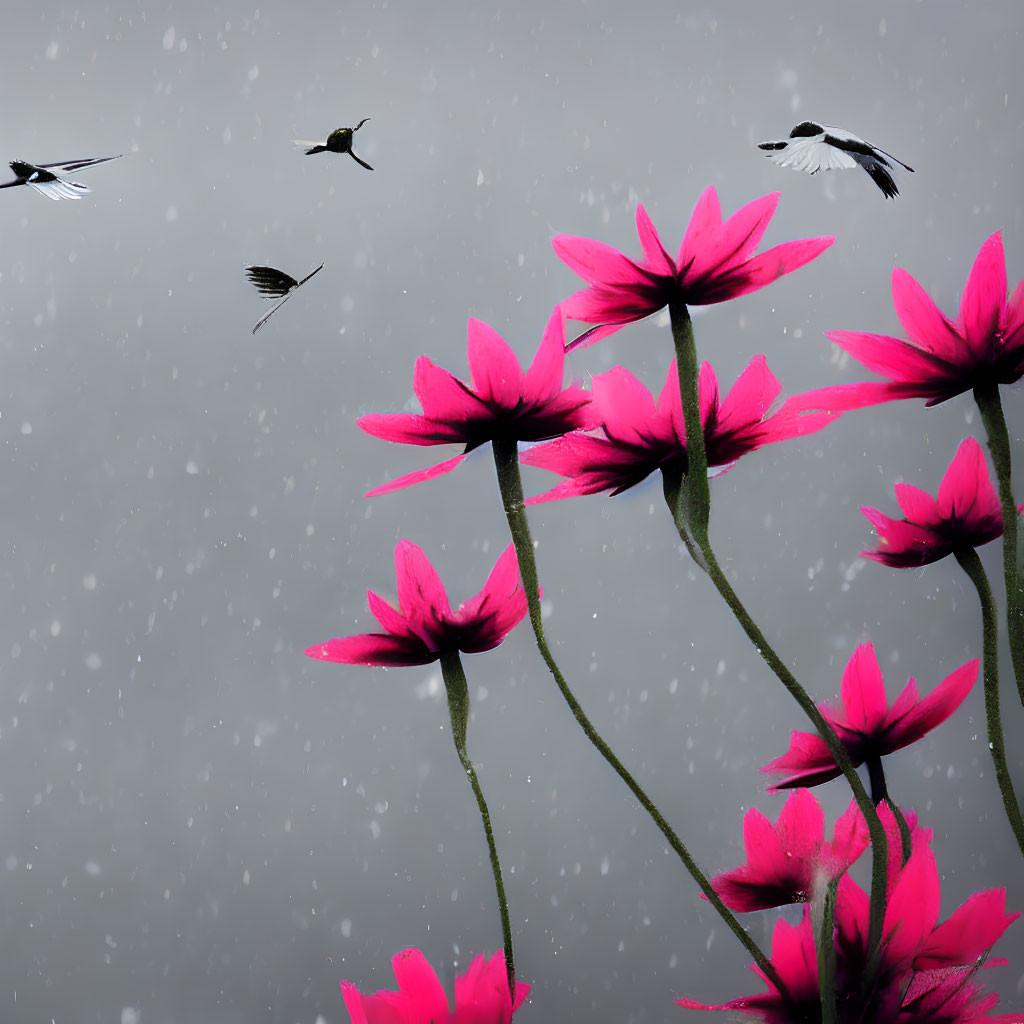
(197, 823)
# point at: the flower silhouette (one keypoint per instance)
(639, 436)
(789, 862)
(424, 627)
(942, 357)
(866, 725)
(716, 262)
(966, 513)
(501, 402)
(481, 995)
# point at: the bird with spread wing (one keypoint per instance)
(275, 284)
(46, 178)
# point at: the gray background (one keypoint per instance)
(199, 824)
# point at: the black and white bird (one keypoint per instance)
(46, 178)
(814, 147)
(339, 141)
(275, 284)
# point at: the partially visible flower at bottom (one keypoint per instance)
(481, 995)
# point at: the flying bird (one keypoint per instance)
(813, 147)
(275, 284)
(339, 141)
(46, 178)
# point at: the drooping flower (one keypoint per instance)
(789, 862)
(716, 262)
(424, 627)
(500, 402)
(866, 725)
(966, 514)
(984, 345)
(638, 436)
(481, 995)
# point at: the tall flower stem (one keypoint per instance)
(458, 707)
(987, 398)
(690, 507)
(510, 483)
(826, 948)
(971, 564)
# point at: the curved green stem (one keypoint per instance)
(971, 564)
(458, 707)
(506, 461)
(990, 406)
(826, 947)
(689, 502)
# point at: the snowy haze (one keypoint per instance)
(197, 823)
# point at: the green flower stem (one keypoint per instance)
(971, 564)
(990, 406)
(825, 942)
(689, 502)
(510, 483)
(458, 707)
(876, 776)
(901, 823)
(694, 499)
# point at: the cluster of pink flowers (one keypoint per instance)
(612, 437)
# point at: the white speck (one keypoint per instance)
(882, 28)
(92, 868)
(168, 41)
(130, 1015)
(109, 940)
(89, 582)
(479, 178)
(93, 661)
(26, 428)
(246, 877)
(52, 50)
(254, 72)
(605, 867)
(55, 628)
(375, 829)
(192, 467)
(346, 928)
(171, 215)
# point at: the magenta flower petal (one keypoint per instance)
(971, 930)
(864, 723)
(716, 262)
(501, 403)
(417, 476)
(984, 346)
(424, 627)
(639, 436)
(790, 861)
(966, 514)
(481, 995)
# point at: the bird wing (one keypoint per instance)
(77, 165)
(362, 163)
(308, 276)
(58, 188)
(271, 282)
(812, 154)
(306, 143)
(273, 309)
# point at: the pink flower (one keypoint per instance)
(716, 262)
(481, 995)
(942, 357)
(638, 436)
(423, 627)
(866, 725)
(790, 862)
(926, 970)
(500, 402)
(966, 514)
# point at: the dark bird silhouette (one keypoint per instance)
(813, 147)
(275, 284)
(339, 141)
(46, 178)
